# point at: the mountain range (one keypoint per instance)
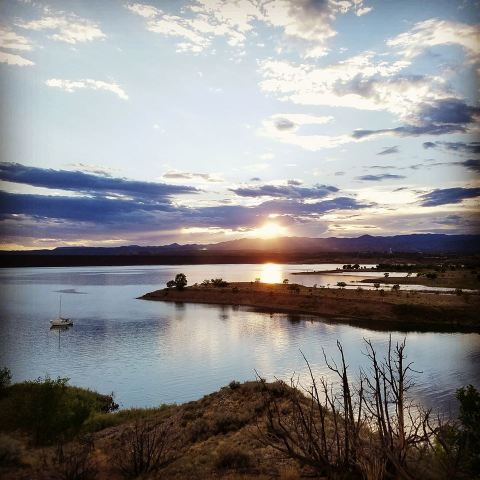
(414, 243)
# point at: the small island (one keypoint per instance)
(380, 309)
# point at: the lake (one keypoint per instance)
(150, 353)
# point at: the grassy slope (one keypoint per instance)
(219, 424)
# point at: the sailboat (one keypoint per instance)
(61, 321)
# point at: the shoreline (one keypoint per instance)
(363, 308)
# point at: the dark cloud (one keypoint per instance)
(473, 147)
(379, 178)
(447, 196)
(295, 183)
(255, 179)
(31, 214)
(190, 176)
(285, 191)
(447, 111)
(87, 183)
(471, 164)
(412, 130)
(284, 124)
(388, 151)
(83, 209)
(448, 115)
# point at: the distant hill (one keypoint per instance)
(415, 243)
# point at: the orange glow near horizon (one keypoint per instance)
(271, 273)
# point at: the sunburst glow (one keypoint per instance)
(269, 230)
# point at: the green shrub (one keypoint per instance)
(50, 409)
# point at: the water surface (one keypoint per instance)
(153, 352)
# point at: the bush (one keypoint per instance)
(232, 458)
(50, 409)
(74, 462)
(341, 284)
(219, 282)
(10, 451)
(5, 378)
(234, 385)
(145, 448)
(224, 423)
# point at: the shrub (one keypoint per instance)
(219, 282)
(144, 448)
(234, 385)
(224, 423)
(50, 409)
(232, 458)
(10, 451)
(5, 378)
(341, 284)
(74, 462)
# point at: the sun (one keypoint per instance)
(269, 230)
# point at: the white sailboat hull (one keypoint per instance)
(61, 322)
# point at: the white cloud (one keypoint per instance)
(67, 28)
(306, 20)
(12, 41)
(362, 82)
(435, 32)
(11, 59)
(88, 83)
(9, 40)
(284, 128)
(146, 11)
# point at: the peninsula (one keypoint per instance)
(382, 309)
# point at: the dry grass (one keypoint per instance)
(458, 312)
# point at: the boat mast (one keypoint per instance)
(60, 308)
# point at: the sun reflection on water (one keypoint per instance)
(271, 273)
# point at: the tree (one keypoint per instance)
(285, 281)
(386, 274)
(180, 281)
(376, 285)
(396, 287)
(341, 284)
(170, 283)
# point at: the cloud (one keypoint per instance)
(471, 164)
(286, 191)
(443, 116)
(379, 178)
(434, 32)
(87, 83)
(68, 28)
(177, 175)
(473, 147)
(9, 40)
(388, 151)
(308, 21)
(284, 127)
(12, 59)
(12, 41)
(87, 183)
(447, 196)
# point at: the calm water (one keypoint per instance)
(152, 352)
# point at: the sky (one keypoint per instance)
(209, 120)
